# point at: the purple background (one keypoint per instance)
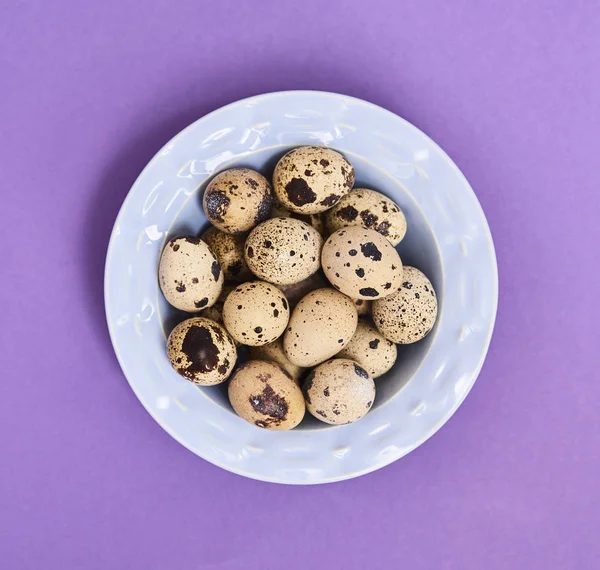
(90, 90)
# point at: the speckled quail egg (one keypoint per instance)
(263, 394)
(339, 391)
(283, 250)
(237, 199)
(409, 314)
(296, 291)
(312, 179)
(363, 307)
(273, 352)
(368, 209)
(201, 351)
(256, 313)
(369, 348)
(321, 325)
(315, 220)
(361, 263)
(189, 274)
(229, 250)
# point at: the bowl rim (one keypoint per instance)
(482, 220)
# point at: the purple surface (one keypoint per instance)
(89, 91)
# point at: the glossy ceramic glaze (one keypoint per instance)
(448, 239)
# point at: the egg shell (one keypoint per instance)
(283, 251)
(256, 313)
(315, 220)
(312, 179)
(201, 351)
(273, 352)
(361, 263)
(370, 349)
(229, 250)
(363, 307)
(263, 394)
(408, 315)
(237, 199)
(296, 291)
(321, 325)
(368, 209)
(189, 274)
(339, 391)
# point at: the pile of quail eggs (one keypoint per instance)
(299, 293)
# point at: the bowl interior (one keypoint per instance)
(419, 249)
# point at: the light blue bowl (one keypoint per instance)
(448, 239)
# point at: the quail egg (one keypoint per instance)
(238, 199)
(189, 274)
(256, 313)
(263, 394)
(368, 209)
(321, 325)
(409, 314)
(201, 351)
(283, 251)
(369, 348)
(229, 250)
(312, 179)
(361, 263)
(273, 352)
(339, 392)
